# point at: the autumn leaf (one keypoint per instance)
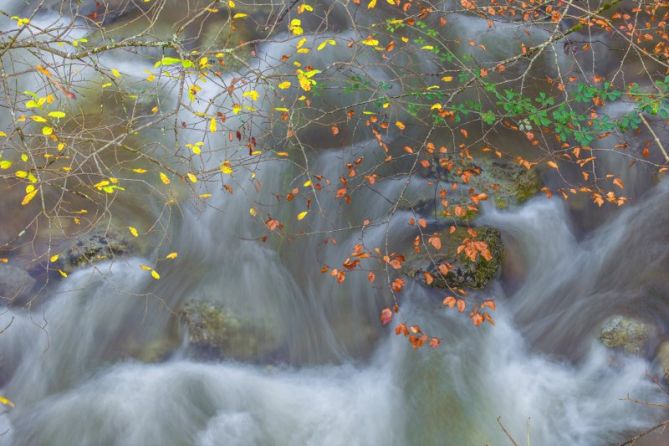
(397, 284)
(133, 231)
(6, 401)
(171, 256)
(29, 197)
(226, 167)
(435, 241)
(302, 214)
(164, 178)
(386, 316)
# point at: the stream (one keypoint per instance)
(75, 363)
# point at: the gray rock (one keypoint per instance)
(15, 284)
(627, 334)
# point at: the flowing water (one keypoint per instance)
(335, 376)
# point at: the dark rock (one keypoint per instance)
(463, 272)
(96, 247)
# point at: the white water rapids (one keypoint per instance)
(342, 378)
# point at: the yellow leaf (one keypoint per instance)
(436, 107)
(447, 78)
(236, 108)
(400, 125)
(204, 196)
(302, 214)
(54, 258)
(164, 178)
(371, 4)
(281, 109)
(212, 125)
(253, 212)
(46, 131)
(251, 94)
(133, 231)
(5, 164)
(57, 114)
(284, 85)
(427, 47)
(62, 273)
(231, 4)
(370, 42)
(2, 134)
(138, 170)
(552, 164)
(171, 256)
(28, 198)
(155, 274)
(191, 177)
(226, 167)
(115, 72)
(295, 27)
(281, 153)
(239, 15)
(307, 183)
(145, 267)
(37, 118)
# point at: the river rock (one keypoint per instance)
(93, 248)
(506, 183)
(215, 330)
(15, 284)
(463, 272)
(662, 359)
(627, 334)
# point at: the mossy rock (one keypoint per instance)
(505, 182)
(93, 248)
(662, 359)
(463, 273)
(215, 331)
(627, 334)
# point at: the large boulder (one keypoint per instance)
(215, 331)
(16, 284)
(627, 334)
(463, 272)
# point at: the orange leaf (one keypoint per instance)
(386, 316)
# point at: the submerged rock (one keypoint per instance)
(96, 247)
(214, 329)
(16, 284)
(462, 270)
(626, 333)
